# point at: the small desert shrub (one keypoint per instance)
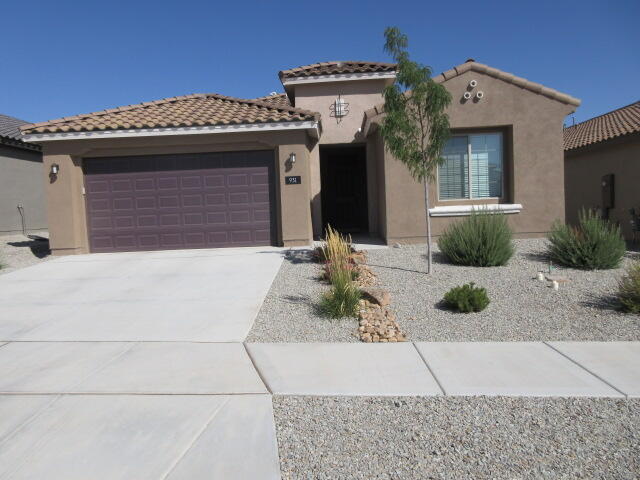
(593, 244)
(467, 298)
(483, 239)
(629, 289)
(342, 299)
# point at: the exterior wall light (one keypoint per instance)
(292, 158)
(55, 168)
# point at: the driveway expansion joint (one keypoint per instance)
(257, 369)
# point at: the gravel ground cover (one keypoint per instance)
(17, 251)
(521, 308)
(457, 438)
(289, 313)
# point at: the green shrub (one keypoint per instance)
(629, 289)
(593, 244)
(342, 299)
(483, 239)
(467, 298)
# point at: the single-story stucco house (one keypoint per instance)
(602, 166)
(206, 170)
(21, 185)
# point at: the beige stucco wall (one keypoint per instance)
(584, 170)
(66, 204)
(21, 184)
(361, 95)
(532, 125)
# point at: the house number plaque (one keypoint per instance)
(297, 180)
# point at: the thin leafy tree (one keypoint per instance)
(415, 127)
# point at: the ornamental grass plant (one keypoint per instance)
(342, 299)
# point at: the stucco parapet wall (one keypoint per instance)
(370, 115)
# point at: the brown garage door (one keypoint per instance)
(160, 202)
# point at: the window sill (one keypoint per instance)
(461, 210)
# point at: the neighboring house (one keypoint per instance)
(207, 170)
(602, 166)
(21, 180)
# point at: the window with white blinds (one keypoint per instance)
(472, 167)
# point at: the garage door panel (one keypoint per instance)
(180, 201)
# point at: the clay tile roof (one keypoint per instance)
(277, 100)
(10, 132)
(201, 109)
(334, 68)
(614, 124)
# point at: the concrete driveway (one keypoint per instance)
(179, 295)
(123, 366)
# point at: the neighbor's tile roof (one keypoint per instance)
(620, 122)
(10, 127)
(10, 132)
(200, 109)
(333, 68)
(278, 100)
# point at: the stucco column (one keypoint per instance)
(294, 200)
(65, 205)
(404, 197)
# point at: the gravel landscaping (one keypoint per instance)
(457, 438)
(289, 313)
(521, 307)
(17, 251)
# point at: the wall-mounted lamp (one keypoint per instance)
(292, 158)
(55, 168)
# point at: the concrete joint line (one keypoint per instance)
(424, 360)
(103, 366)
(585, 369)
(195, 439)
(255, 366)
(33, 417)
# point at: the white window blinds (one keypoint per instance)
(481, 177)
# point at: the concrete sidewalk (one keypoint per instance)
(173, 410)
(554, 369)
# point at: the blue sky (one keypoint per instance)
(64, 58)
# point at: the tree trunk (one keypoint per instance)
(426, 208)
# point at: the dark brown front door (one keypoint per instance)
(160, 202)
(343, 175)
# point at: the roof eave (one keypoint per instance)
(312, 127)
(337, 77)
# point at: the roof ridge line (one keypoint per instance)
(106, 111)
(262, 104)
(99, 113)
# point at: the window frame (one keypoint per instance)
(469, 173)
